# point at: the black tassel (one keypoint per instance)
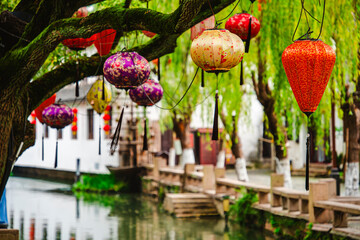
(202, 78)
(56, 154)
(116, 136)
(42, 143)
(77, 89)
(145, 142)
(103, 89)
(215, 132)
(308, 145)
(248, 36)
(241, 73)
(99, 135)
(158, 69)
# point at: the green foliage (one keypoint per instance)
(242, 211)
(287, 228)
(99, 183)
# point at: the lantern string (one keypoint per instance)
(306, 13)
(145, 142)
(216, 22)
(171, 108)
(230, 12)
(99, 133)
(322, 20)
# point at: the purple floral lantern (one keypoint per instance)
(126, 70)
(57, 116)
(147, 94)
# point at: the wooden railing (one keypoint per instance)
(319, 205)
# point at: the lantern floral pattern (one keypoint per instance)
(43, 105)
(58, 116)
(126, 70)
(217, 50)
(308, 65)
(147, 94)
(239, 25)
(94, 96)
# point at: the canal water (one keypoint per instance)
(46, 210)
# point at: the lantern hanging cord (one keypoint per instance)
(306, 12)
(322, 20)
(212, 10)
(230, 12)
(168, 109)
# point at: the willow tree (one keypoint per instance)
(26, 46)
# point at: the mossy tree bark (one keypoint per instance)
(22, 57)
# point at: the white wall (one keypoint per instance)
(71, 149)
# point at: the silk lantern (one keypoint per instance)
(197, 30)
(246, 27)
(57, 116)
(125, 70)
(148, 33)
(215, 51)
(94, 98)
(147, 94)
(38, 112)
(308, 65)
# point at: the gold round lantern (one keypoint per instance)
(217, 50)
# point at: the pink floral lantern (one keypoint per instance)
(199, 28)
(147, 94)
(57, 116)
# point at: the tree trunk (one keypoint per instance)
(182, 131)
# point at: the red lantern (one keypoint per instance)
(106, 128)
(81, 12)
(106, 117)
(148, 33)
(239, 25)
(104, 41)
(308, 65)
(75, 110)
(74, 128)
(108, 108)
(43, 105)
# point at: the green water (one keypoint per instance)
(39, 211)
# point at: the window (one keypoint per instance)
(90, 115)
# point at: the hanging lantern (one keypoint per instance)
(74, 127)
(104, 41)
(308, 65)
(107, 119)
(38, 112)
(148, 33)
(246, 27)
(79, 43)
(106, 128)
(98, 102)
(239, 25)
(94, 97)
(57, 116)
(147, 94)
(217, 50)
(199, 28)
(125, 70)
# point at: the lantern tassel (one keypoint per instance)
(145, 142)
(215, 132)
(248, 36)
(103, 88)
(158, 69)
(56, 153)
(202, 78)
(99, 134)
(241, 73)
(77, 89)
(308, 145)
(77, 79)
(42, 143)
(116, 136)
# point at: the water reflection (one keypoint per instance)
(41, 213)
